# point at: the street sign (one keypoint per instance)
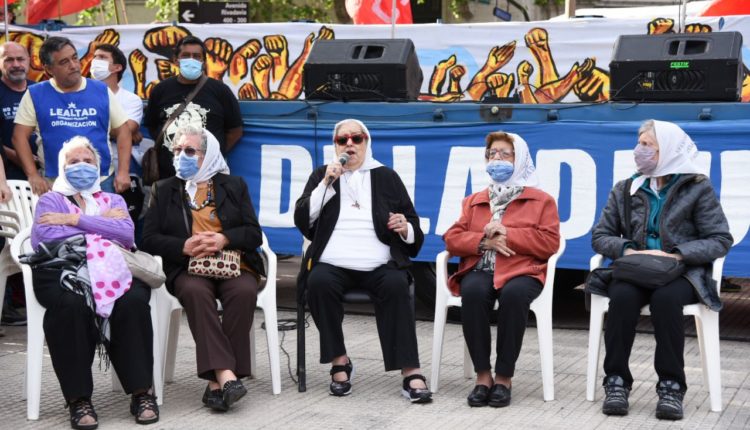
(205, 12)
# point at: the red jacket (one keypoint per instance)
(533, 226)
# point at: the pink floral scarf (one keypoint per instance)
(109, 274)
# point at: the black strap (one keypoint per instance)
(181, 108)
(626, 210)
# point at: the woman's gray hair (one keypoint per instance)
(648, 126)
(78, 142)
(191, 130)
(349, 121)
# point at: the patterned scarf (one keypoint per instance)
(500, 197)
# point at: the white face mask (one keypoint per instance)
(100, 69)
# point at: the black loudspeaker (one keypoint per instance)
(362, 69)
(677, 67)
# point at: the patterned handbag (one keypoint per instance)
(224, 264)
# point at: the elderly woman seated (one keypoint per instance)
(505, 235)
(674, 214)
(90, 295)
(202, 213)
(363, 228)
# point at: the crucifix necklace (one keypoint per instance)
(353, 193)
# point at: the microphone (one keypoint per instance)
(343, 158)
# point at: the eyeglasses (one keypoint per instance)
(189, 151)
(356, 138)
(504, 154)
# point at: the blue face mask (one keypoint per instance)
(190, 68)
(81, 176)
(500, 170)
(186, 167)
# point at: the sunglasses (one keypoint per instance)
(344, 138)
(189, 151)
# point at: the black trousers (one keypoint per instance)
(71, 336)
(478, 296)
(665, 303)
(394, 313)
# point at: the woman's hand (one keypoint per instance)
(189, 248)
(56, 218)
(333, 171)
(210, 243)
(115, 213)
(499, 244)
(494, 227)
(397, 223)
(657, 252)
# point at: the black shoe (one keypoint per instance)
(479, 396)
(140, 403)
(669, 406)
(416, 395)
(342, 388)
(12, 317)
(79, 409)
(214, 399)
(616, 396)
(233, 391)
(499, 396)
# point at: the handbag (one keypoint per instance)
(643, 270)
(649, 271)
(225, 264)
(150, 162)
(145, 267)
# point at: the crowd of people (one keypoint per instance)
(73, 139)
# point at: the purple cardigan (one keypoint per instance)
(118, 230)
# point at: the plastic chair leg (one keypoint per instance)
(544, 332)
(272, 337)
(596, 321)
(441, 314)
(712, 364)
(34, 355)
(170, 355)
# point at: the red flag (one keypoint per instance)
(727, 7)
(378, 11)
(37, 10)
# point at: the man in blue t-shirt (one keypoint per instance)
(69, 105)
(14, 65)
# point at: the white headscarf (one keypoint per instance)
(61, 184)
(677, 153)
(524, 172)
(369, 163)
(213, 163)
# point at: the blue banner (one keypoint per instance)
(440, 163)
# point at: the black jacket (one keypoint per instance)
(165, 233)
(388, 195)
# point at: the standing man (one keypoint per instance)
(108, 66)
(65, 106)
(14, 65)
(214, 106)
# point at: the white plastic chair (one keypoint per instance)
(706, 328)
(541, 306)
(32, 386)
(266, 301)
(15, 215)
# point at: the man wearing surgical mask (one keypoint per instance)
(214, 107)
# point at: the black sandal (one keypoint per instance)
(342, 388)
(140, 403)
(81, 408)
(416, 395)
